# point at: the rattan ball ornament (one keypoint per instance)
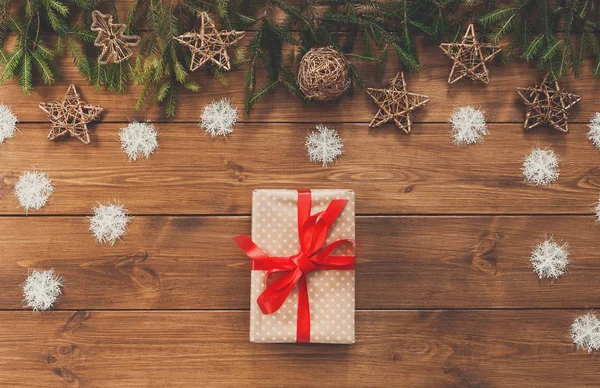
(323, 74)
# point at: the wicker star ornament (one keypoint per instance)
(116, 46)
(395, 103)
(71, 116)
(547, 104)
(469, 57)
(209, 45)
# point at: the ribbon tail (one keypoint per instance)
(303, 321)
(271, 299)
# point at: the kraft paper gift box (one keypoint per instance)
(329, 282)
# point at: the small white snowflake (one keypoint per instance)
(8, 123)
(597, 210)
(468, 126)
(540, 167)
(33, 190)
(109, 222)
(41, 289)
(585, 332)
(324, 145)
(219, 117)
(549, 259)
(138, 139)
(594, 132)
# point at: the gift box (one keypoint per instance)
(302, 255)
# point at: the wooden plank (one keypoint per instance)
(406, 262)
(391, 172)
(394, 348)
(499, 99)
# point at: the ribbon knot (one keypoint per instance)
(303, 263)
(313, 255)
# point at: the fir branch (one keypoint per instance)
(557, 35)
(33, 23)
(160, 66)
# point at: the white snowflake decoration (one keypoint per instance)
(41, 289)
(138, 139)
(468, 125)
(109, 223)
(585, 332)
(33, 190)
(324, 145)
(219, 117)
(597, 210)
(549, 259)
(594, 132)
(8, 123)
(541, 167)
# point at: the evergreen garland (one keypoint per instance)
(32, 23)
(557, 34)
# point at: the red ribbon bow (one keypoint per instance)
(312, 232)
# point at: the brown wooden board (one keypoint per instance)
(391, 172)
(210, 349)
(445, 293)
(406, 262)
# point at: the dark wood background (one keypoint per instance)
(445, 293)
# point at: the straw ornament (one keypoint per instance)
(116, 45)
(395, 103)
(71, 116)
(469, 57)
(323, 74)
(547, 104)
(209, 45)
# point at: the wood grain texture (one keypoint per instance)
(407, 262)
(211, 349)
(392, 173)
(499, 99)
(445, 292)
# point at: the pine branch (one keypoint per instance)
(34, 23)
(557, 35)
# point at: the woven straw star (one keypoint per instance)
(209, 44)
(547, 104)
(116, 46)
(70, 115)
(395, 103)
(469, 57)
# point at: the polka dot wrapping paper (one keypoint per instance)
(330, 292)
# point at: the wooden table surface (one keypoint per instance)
(445, 292)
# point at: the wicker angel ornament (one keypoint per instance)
(116, 46)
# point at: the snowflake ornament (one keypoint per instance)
(324, 145)
(138, 139)
(109, 222)
(550, 260)
(594, 132)
(597, 211)
(468, 126)
(585, 332)
(41, 289)
(33, 190)
(8, 123)
(219, 117)
(540, 167)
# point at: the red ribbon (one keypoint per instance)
(312, 232)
